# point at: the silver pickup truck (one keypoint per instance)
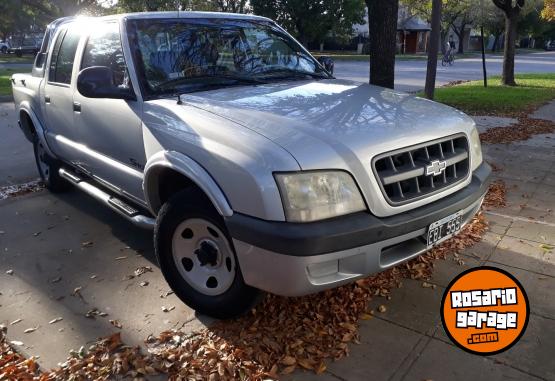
(256, 168)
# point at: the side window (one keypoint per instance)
(63, 55)
(104, 49)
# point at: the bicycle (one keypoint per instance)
(448, 59)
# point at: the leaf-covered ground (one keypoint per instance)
(279, 336)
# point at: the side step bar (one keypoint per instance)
(116, 204)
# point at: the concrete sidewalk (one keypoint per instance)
(16, 153)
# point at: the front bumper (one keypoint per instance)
(294, 259)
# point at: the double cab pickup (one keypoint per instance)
(254, 166)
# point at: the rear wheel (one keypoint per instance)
(197, 258)
(48, 169)
(4, 49)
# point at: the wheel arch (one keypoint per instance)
(159, 182)
(31, 126)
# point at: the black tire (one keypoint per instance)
(18, 53)
(191, 205)
(4, 49)
(443, 62)
(48, 167)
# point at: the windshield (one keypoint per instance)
(185, 55)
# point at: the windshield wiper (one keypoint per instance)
(209, 80)
(287, 72)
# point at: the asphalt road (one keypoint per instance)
(411, 75)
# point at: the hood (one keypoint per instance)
(312, 118)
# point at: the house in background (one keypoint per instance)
(412, 32)
(412, 36)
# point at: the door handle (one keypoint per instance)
(47, 98)
(76, 106)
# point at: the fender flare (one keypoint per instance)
(25, 107)
(189, 168)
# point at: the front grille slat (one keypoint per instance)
(402, 173)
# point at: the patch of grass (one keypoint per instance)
(12, 58)
(5, 83)
(532, 91)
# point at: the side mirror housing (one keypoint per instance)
(327, 63)
(98, 82)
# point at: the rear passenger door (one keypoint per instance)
(111, 129)
(58, 95)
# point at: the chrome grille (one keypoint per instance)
(415, 172)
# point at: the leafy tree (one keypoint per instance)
(548, 12)
(311, 21)
(456, 14)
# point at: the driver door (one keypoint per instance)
(110, 129)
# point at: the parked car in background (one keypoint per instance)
(28, 45)
(254, 166)
(550, 45)
(4, 47)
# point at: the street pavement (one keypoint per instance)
(16, 153)
(410, 75)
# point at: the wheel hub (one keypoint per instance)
(207, 253)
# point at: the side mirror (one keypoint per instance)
(98, 82)
(327, 63)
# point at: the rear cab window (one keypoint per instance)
(63, 56)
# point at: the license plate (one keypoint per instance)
(445, 228)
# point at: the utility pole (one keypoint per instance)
(433, 49)
(483, 46)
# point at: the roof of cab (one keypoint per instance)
(184, 14)
(150, 15)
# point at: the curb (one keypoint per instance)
(6, 98)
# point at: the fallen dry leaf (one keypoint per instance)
(523, 130)
(142, 269)
(55, 320)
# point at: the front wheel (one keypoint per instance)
(197, 258)
(48, 168)
(443, 62)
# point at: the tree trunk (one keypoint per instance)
(434, 48)
(462, 35)
(509, 52)
(382, 29)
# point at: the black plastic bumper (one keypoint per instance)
(354, 230)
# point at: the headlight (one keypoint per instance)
(317, 195)
(475, 148)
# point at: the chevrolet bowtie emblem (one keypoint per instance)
(436, 168)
